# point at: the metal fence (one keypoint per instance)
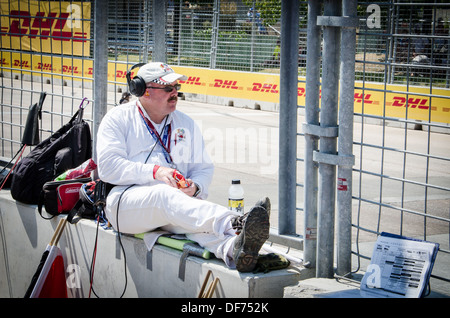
(39, 53)
(407, 193)
(400, 185)
(399, 180)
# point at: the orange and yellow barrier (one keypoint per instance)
(46, 26)
(396, 101)
(373, 99)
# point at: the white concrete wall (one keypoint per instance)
(25, 235)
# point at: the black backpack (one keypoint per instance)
(65, 149)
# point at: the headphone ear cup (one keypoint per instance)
(137, 86)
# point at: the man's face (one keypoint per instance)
(160, 100)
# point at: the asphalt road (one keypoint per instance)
(243, 144)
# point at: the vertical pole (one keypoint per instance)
(252, 42)
(100, 67)
(288, 116)
(311, 141)
(328, 118)
(159, 31)
(395, 14)
(214, 34)
(145, 22)
(346, 95)
(178, 45)
(391, 43)
(447, 72)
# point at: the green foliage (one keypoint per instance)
(270, 10)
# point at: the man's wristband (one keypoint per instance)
(155, 168)
(198, 190)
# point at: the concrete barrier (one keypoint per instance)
(25, 235)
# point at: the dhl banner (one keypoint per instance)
(46, 26)
(54, 66)
(395, 101)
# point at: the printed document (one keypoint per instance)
(400, 267)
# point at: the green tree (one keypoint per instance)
(270, 10)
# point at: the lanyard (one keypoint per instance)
(165, 138)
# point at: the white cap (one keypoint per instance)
(160, 73)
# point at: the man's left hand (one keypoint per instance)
(190, 191)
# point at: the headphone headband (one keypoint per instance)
(132, 68)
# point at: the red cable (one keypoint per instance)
(92, 274)
(93, 262)
(10, 171)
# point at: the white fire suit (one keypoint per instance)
(127, 154)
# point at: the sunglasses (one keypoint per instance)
(168, 88)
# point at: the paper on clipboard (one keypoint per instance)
(400, 267)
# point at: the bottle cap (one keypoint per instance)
(236, 181)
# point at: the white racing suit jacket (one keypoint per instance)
(124, 144)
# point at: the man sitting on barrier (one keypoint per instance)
(145, 147)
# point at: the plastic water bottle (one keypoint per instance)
(236, 197)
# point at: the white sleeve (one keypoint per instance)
(112, 160)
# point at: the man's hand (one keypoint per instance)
(165, 175)
(190, 191)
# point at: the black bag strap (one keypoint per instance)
(80, 111)
(75, 214)
(41, 204)
(78, 116)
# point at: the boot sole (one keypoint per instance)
(256, 232)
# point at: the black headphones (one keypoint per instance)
(137, 84)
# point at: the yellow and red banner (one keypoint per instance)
(397, 101)
(52, 66)
(58, 27)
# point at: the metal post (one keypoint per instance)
(447, 72)
(311, 140)
(395, 30)
(328, 118)
(214, 34)
(252, 43)
(146, 22)
(159, 31)
(288, 116)
(390, 43)
(179, 46)
(100, 67)
(345, 148)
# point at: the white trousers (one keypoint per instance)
(146, 208)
